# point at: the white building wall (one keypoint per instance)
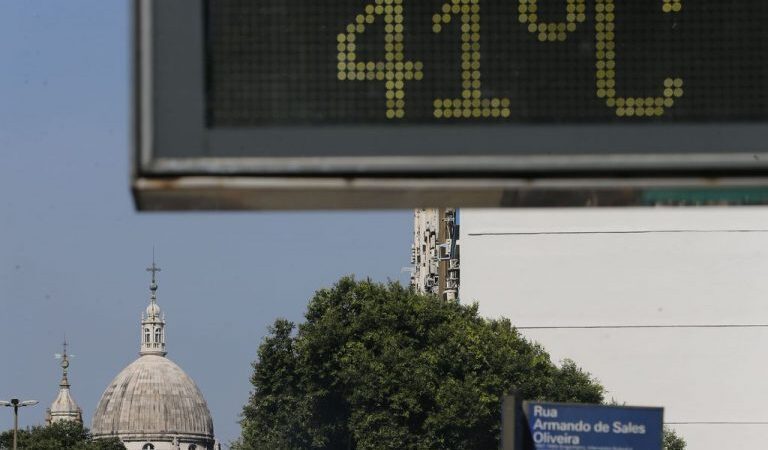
(698, 375)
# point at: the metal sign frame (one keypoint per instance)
(180, 163)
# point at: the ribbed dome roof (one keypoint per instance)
(64, 405)
(152, 397)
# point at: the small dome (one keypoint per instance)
(64, 408)
(153, 310)
(152, 398)
(64, 403)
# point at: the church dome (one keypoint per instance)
(153, 399)
(152, 404)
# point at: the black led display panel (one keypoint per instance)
(284, 62)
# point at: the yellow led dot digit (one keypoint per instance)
(394, 69)
(468, 12)
(605, 67)
(552, 31)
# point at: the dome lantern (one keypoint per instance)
(153, 322)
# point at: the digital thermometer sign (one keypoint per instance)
(293, 104)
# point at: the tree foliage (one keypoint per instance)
(58, 436)
(672, 441)
(378, 366)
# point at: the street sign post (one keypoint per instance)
(400, 103)
(558, 426)
(574, 426)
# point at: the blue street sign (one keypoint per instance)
(570, 426)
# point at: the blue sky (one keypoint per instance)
(73, 250)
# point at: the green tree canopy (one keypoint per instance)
(58, 436)
(378, 366)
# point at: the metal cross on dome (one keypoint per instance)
(63, 356)
(154, 269)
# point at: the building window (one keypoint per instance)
(157, 335)
(146, 338)
(148, 447)
(192, 447)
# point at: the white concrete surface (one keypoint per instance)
(668, 278)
